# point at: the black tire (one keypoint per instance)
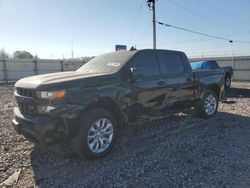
(200, 108)
(79, 143)
(228, 82)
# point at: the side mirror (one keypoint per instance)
(136, 73)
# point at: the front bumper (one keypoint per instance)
(41, 129)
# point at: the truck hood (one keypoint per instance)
(33, 82)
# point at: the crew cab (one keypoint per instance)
(212, 64)
(86, 108)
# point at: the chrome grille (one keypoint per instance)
(27, 109)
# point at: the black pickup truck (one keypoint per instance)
(86, 108)
(212, 64)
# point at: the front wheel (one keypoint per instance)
(208, 105)
(98, 131)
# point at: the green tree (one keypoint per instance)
(22, 55)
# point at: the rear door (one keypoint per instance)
(178, 78)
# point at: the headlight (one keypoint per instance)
(51, 94)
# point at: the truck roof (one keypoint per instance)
(172, 51)
(125, 55)
(132, 52)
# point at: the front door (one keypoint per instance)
(147, 93)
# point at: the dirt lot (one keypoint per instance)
(181, 151)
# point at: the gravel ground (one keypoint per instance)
(181, 151)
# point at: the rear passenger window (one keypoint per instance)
(170, 63)
(147, 62)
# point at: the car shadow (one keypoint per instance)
(237, 93)
(151, 151)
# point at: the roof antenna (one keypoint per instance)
(133, 48)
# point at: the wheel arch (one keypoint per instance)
(228, 75)
(110, 105)
(215, 89)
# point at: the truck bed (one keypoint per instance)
(205, 78)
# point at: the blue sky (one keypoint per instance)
(47, 27)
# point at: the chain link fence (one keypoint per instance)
(15, 69)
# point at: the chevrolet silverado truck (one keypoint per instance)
(211, 64)
(86, 108)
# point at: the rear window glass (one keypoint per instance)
(170, 63)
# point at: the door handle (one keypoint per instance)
(161, 83)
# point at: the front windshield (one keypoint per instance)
(107, 63)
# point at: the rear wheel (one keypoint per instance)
(228, 82)
(208, 105)
(97, 134)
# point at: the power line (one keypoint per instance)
(199, 47)
(193, 40)
(136, 21)
(191, 31)
(219, 11)
(246, 42)
(204, 34)
(200, 15)
(144, 33)
(151, 5)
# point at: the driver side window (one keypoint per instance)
(147, 63)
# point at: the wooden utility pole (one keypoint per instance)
(151, 5)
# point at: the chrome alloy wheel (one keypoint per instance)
(100, 135)
(210, 104)
(228, 82)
